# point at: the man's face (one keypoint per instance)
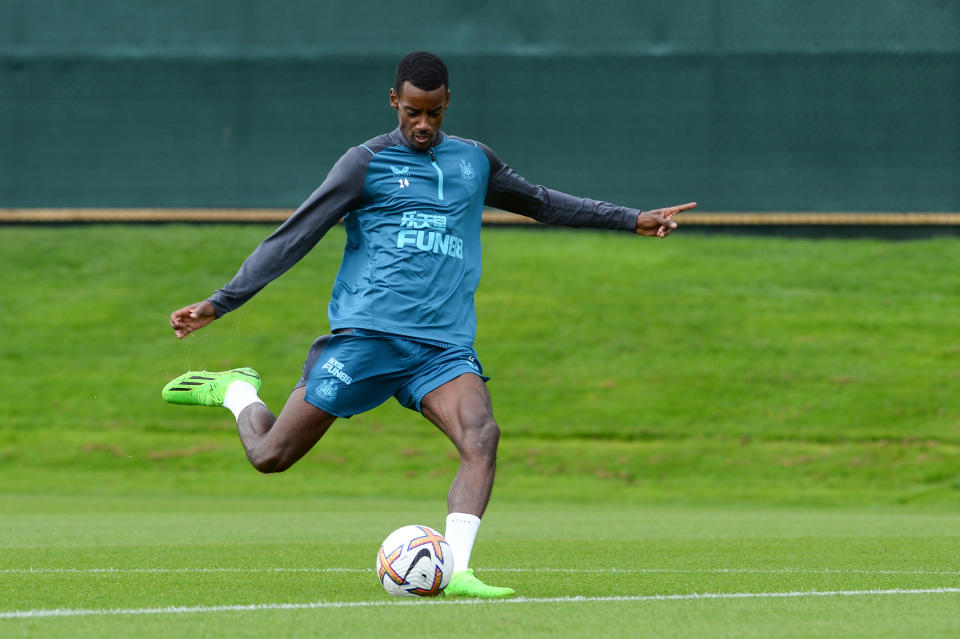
(420, 113)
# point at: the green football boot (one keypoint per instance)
(464, 583)
(203, 388)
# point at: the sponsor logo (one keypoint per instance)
(431, 242)
(466, 170)
(427, 232)
(335, 368)
(418, 220)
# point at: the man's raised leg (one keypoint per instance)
(273, 443)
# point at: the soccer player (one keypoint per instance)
(401, 314)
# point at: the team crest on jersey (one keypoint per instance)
(327, 389)
(466, 170)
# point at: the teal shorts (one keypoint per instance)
(350, 372)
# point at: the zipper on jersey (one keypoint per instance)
(433, 161)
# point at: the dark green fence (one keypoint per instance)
(748, 105)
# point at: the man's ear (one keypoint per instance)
(394, 100)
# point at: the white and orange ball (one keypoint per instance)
(414, 561)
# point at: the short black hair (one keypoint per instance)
(423, 70)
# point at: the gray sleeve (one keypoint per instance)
(511, 192)
(339, 193)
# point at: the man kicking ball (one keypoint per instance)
(401, 313)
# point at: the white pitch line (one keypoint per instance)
(155, 571)
(700, 571)
(82, 612)
(676, 571)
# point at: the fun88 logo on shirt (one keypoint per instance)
(428, 232)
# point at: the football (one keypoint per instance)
(414, 561)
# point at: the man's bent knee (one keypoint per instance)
(270, 462)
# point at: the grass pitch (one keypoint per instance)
(249, 567)
(704, 436)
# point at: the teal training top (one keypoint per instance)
(411, 264)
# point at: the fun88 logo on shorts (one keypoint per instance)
(428, 232)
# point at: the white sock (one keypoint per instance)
(460, 534)
(239, 395)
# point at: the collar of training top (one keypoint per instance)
(397, 138)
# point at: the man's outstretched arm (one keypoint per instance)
(285, 246)
(509, 191)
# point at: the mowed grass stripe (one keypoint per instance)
(67, 612)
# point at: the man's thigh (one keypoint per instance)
(437, 367)
(460, 405)
(296, 430)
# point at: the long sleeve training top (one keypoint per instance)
(411, 264)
